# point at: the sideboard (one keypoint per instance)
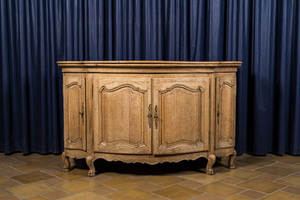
(148, 111)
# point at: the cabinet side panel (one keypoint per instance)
(225, 110)
(74, 112)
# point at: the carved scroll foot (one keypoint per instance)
(231, 159)
(211, 161)
(90, 162)
(69, 163)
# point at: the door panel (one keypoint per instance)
(225, 110)
(74, 112)
(120, 115)
(181, 115)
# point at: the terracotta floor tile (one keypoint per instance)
(31, 167)
(32, 177)
(295, 167)
(190, 184)
(269, 177)
(238, 197)
(231, 180)
(131, 194)
(281, 164)
(31, 190)
(9, 197)
(4, 168)
(203, 178)
(287, 159)
(104, 190)
(4, 179)
(177, 192)
(98, 178)
(162, 198)
(257, 161)
(136, 176)
(85, 195)
(55, 181)
(74, 174)
(56, 194)
(10, 173)
(149, 187)
(37, 198)
(296, 174)
(112, 174)
(208, 197)
(52, 171)
(291, 189)
(280, 178)
(220, 189)
(281, 196)
(253, 194)
(261, 185)
(78, 186)
(291, 180)
(163, 180)
(3, 193)
(241, 173)
(9, 184)
(122, 182)
(275, 170)
(250, 167)
(12, 162)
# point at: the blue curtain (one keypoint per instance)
(263, 34)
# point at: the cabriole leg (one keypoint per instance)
(90, 162)
(211, 161)
(69, 163)
(231, 159)
(66, 166)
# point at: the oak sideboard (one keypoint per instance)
(148, 111)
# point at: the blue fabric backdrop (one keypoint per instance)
(263, 34)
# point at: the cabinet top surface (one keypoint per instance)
(148, 64)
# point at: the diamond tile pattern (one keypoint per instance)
(40, 177)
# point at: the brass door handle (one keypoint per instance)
(150, 115)
(156, 116)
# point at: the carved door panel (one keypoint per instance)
(181, 115)
(74, 112)
(225, 110)
(121, 108)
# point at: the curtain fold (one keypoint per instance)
(264, 35)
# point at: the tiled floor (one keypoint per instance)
(38, 177)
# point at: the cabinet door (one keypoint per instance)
(120, 107)
(225, 110)
(74, 112)
(181, 115)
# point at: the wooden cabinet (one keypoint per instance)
(148, 111)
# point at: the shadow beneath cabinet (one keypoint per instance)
(102, 165)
